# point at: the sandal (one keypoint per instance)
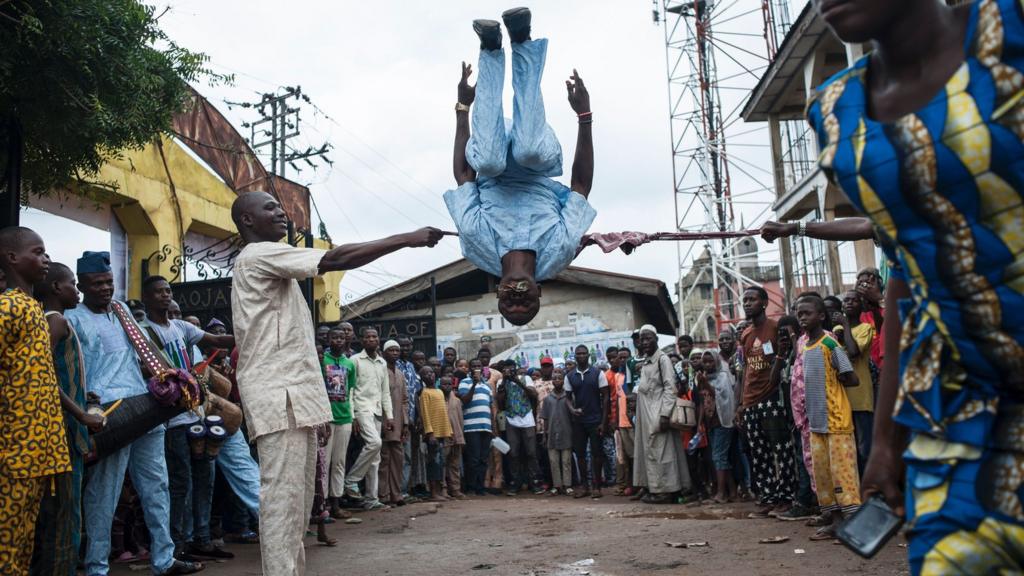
(826, 533)
(182, 567)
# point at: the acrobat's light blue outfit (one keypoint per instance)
(112, 371)
(514, 204)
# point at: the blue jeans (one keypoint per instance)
(804, 495)
(191, 490)
(435, 461)
(241, 471)
(532, 142)
(144, 460)
(863, 424)
(721, 441)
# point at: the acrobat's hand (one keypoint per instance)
(467, 93)
(579, 98)
(427, 236)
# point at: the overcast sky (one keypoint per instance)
(384, 76)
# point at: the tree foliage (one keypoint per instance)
(85, 80)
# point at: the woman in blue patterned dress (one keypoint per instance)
(926, 136)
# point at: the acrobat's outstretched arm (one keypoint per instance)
(460, 166)
(583, 163)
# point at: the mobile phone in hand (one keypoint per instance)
(867, 531)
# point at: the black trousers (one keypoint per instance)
(478, 448)
(523, 456)
(582, 436)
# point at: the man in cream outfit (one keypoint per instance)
(279, 378)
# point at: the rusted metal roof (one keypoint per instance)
(211, 136)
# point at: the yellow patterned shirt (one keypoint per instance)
(32, 439)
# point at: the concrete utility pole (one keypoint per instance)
(283, 121)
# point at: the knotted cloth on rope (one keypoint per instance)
(629, 241)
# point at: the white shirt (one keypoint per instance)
(279, 377)
(372, 393)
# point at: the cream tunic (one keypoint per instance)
(278, 372)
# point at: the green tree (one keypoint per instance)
(81, 81)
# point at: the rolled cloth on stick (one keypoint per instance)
(628, 241)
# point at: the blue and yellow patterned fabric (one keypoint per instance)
(943, 187)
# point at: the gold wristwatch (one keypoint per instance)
(460, 107)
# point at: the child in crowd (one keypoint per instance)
(700, 466)
(557, 416)
(622, 422)
(718, 390)
(437, 431)
(826, 371)
(58, 528)
(455, 444)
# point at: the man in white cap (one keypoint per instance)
(392, 453)
(659, 463)
(371, 406)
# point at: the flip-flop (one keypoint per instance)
(125, 557)
(328, 541)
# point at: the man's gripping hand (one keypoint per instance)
(467, 93)
(579, 98)
(427, 236)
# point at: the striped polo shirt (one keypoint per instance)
(476, 415)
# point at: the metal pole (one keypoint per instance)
(12, 196)
(433, 309)
(307, 285)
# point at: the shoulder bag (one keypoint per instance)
(684, 413)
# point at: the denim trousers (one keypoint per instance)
(804, 493)
(240, 469)
(190, 483)
(531, 140)
(144, 461)
(863, 425)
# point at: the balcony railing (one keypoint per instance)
(799, 156)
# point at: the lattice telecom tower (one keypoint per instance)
(717, 187)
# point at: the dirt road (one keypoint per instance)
(541, 536)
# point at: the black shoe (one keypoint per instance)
(209, 551)
(182, 567)
(489, 32)
(517, 22)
